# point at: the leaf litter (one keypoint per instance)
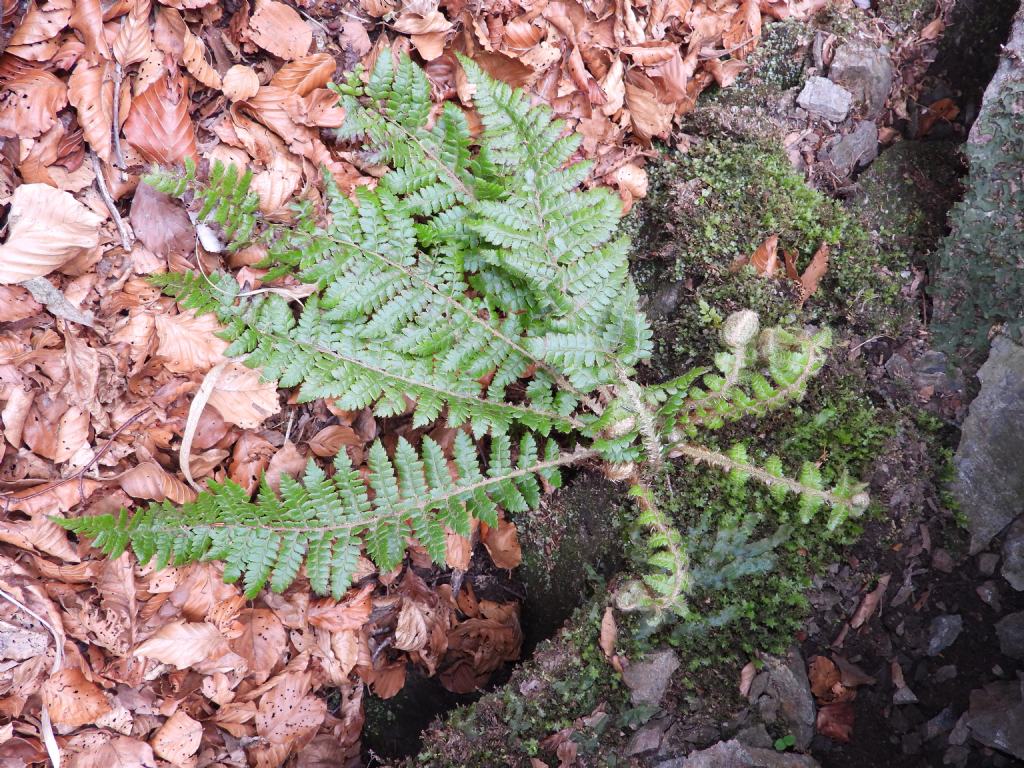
(112, 663)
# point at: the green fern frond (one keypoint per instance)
(325, 522)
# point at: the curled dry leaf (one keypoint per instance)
(42, 22)
(134, 42)
(816, 270)
(161, 222)
(29, 104)
(16, 304)
(836, 721)
(242, 398)
(278, 29)
(765, 259)
(193, 56)
(870, 602)
(91, 93)
(287, 461)
(159, 125)
(241, 82)
(46, 228)
(330, 440)
(178, 738)
(187, 343)
(87, 20)
(287, 718)
(123, 752)
(306, 74)
(183, 644)
(72, 699)
(150, 481)
(609, 633)
(503, 545)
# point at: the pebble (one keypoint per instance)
(987, 562)
(942, 561)
(1010, 630)
(943, 632)
(989, 594)
(944, 673)
(823, 98)
(938, 725)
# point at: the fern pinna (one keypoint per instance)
(475, 283)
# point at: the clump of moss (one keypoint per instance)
(718, 203)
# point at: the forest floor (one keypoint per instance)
(797, 157)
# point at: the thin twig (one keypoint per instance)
(126, 236)
(118, 154)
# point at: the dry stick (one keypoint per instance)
(80, 474)
(126, 236)
(118, 154)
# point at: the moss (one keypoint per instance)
(716, 204)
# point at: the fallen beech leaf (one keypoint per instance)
(278, 29)
(330, 440)
(16, 304)
(823, 676)
(429, 45)
(72, 699)
(241, 82)
(609, 633)
(649, 115)
(816, 270)
(743, 34)
(262, 643)
(836, 721)
(277, 185)
(287, 461)
(161, 223)
(184, 644)
(338, 616)
(412, 23)
(242, 398)
(187, 343)
(150, 481)
(747, 675)
(29, 104)
(122, 752)
(943, 109)
(388, 680)
(870, 602)
(249, 459)
(932, 29)
(411, 631)
(287, 718)
(765, 260)
(178, 739)
(91, 93)
(40, 533)
(87, 20)
(159, 125)
(502, 544)
(193, 57)
(42, 22)
(134, 42)
(852, 676)
(306, 74)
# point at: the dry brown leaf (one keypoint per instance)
(277, 185)
(870, 602)
(338, 616)
(161, 222)
(40, 533)
(193, 57)
(46, 228)
(187, 343)
(330, 440)
(823, 676)
(287, 461)
(650, 116)
(29, 104)
(42, 22)
(747, 675)
(72, 699)
(836, 721)
(288, 717)
(306, 74)
(122, 752)
(250, 458)
(816, 270)
(241, 82)
(944, 109)
(134, 42)
(262, 643)
(411, 631)
(745, 31)
(765, 260)
(150, 481)
(183, 644)
(933, 29)
(178, 739)
(16, 304)
(609, 633)
(169, 33)
(159, 125)
(412, 23)
(87, 20)
(503, 545)
(91, 93)
(278, 29)
(242, 398)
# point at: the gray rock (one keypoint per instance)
(788, 685)
(904, 696)
(943, 632)
(823, 98)
(866, 72)
(943, 561)
(989, 483)
(989, 594)
(854, 150)
(732, 754)
(648, 680)
(944, 673)
(940, 724)
(1013, 554)
(932, 369)
(960, 732)
(996, 717)
(647, 739)
(755, 736)
(1010, 630)
(987, 562)
(956, 756)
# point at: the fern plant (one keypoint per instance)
(476, 283)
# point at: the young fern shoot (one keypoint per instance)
(475, 284)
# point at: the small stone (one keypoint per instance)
(996, 717)
(989, 594)
(647, 739)
(854, 150)
(789, 686)
(1013, 556)
(1010, 630)
(866, 73)
(755, 736)
(733, 754)
(898, 367)
(940, 724)
(823, 98)
(956, 756)
(904, 696)
(942, 561)
(944, 673)
(960, 731)
(932, 369)
(943, 632)
(987, 562)
(758, 686)
(648, 679)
